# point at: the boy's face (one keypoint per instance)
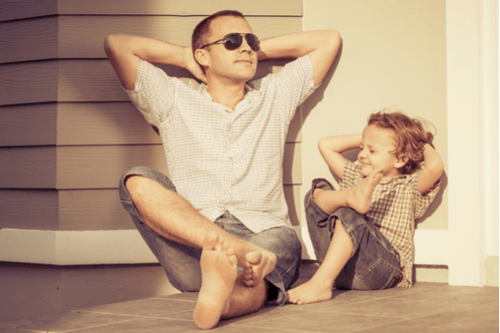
(377, 145)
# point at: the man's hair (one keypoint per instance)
(202, 30)
(410, 137)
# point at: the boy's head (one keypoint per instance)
(404, 138)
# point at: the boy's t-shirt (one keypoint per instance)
(395, 206)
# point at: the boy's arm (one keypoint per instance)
(125, 53)
(321, 46)
(432, 170)
(332, 147)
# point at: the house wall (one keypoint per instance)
(437, 60)
(68, 132)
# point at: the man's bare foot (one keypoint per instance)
(310, 292)
(219, 273)
(359, 197)
(259, 263)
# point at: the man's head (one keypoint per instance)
(223, 44)
(202, 31)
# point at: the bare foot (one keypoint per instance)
(259, 263)
(219, 273)
(310, 292)
(359, 197)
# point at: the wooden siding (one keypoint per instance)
(68, 130)
(19, 9)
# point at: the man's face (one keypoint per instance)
(236, 65)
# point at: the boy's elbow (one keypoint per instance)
(436, 167)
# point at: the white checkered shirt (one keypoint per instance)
(395, 206)
(223, 160)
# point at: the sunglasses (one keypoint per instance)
(233, 40)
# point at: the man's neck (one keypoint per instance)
(228, 95)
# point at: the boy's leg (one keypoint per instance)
(352, 252)
(357, 198)
(374, 263)
(319, 287)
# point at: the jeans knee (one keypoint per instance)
(146, 172)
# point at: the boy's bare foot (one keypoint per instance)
(219, 273)
(359, 197)
(259, 263)
(310, 292)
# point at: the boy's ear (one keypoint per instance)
(401, 162)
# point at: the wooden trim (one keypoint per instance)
(21, 9)
(174, 7)
(128, 247)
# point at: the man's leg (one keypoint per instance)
(180, 262)
(169, 215)
(283, 242)
(223, 293)
(173, 217)
(218, 272)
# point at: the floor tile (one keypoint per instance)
(427, 307)
(150, 307)
(62, 322)
(145, 325)
(481, 318)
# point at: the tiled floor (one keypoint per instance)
(427, 307)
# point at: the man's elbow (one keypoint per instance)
(334, 39)
(111, 44)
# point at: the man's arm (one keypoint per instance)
(332, 147)
(432, 170)
(321, 46)
(125, 52)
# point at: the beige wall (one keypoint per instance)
(393, 55)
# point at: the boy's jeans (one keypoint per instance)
(373, 264)
(182, 262)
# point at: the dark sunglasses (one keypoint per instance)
(233, 40)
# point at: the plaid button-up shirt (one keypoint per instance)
(224, 160)
(395, 206)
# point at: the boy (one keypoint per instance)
(381, 195)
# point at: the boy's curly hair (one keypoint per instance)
(410, 137)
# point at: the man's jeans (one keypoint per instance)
(182, 262)
(373, 264)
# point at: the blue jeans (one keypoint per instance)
(373, 263)
(182, 263)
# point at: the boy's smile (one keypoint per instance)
(377, 152)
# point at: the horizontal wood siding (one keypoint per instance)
(17, 9)
(68, 130)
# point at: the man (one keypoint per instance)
(220, 223)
